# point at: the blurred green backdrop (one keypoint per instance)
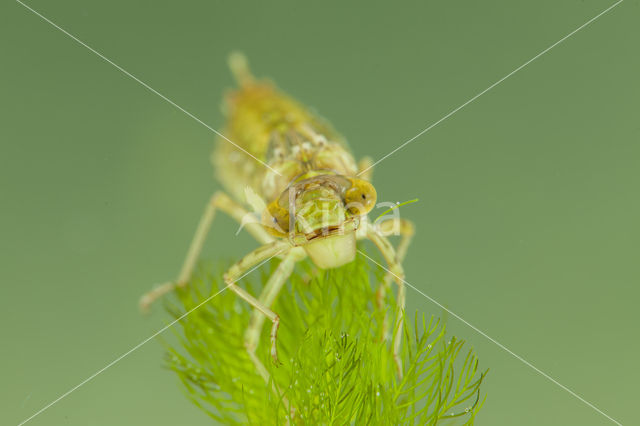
(528, 212)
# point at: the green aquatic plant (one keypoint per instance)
(336, 367)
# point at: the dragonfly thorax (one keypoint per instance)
(321, 213)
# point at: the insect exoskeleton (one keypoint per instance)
(321, 211)
(294, 170)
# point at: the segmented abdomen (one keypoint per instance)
(280, 132)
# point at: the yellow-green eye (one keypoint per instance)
(276, 219)
(360, 198)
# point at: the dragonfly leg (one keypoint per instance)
(397, 272)
(220, 201)
(405, 229)
(267, 297)
(237, 271)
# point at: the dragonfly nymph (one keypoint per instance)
(297, 172)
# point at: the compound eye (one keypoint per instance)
(360, 198)
(276, 219)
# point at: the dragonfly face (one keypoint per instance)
(321, 214)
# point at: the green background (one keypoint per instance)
(528, 213)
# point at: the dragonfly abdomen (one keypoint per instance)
(280, 132)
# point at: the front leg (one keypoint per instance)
(241, 268)
(267, 297)
(237, 271)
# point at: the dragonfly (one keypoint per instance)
(309, 199)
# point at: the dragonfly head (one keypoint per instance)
(321, 214)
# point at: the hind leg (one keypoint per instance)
(219, 201)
